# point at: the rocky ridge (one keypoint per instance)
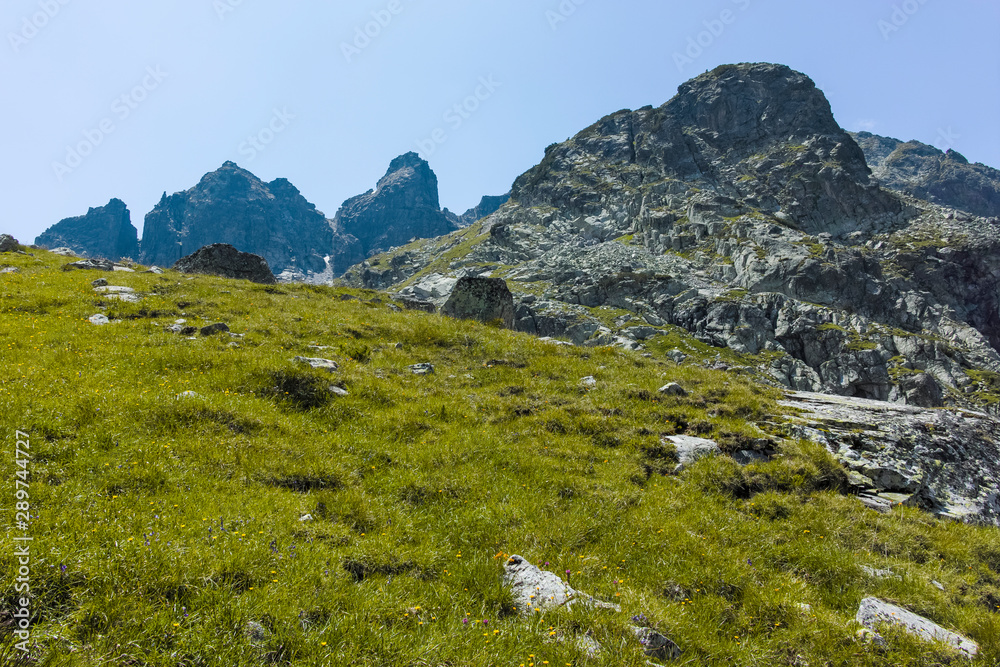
(740, 211)
(942, 177)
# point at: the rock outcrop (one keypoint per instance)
(943, 461)
(104, 232)
(403, 206)
(925, 172)
(233, 206)
(742, 212)
(222, 259)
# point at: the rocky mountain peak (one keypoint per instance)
(231, 205)
(410, 177)
(105, 231)
(403, 206)
(761, 135)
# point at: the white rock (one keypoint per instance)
(589, 381)
(672, 389)
(114, 289)
(690, 449)
(535, 589)
(873, 612)
(325, 364)
(99, 320)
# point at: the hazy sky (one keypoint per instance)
(118, 98)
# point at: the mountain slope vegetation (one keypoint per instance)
(208, 500)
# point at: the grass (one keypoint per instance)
(163, 524)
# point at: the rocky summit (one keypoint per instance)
(404, 205)
(231, 205)
(740, 211)
(106, 232)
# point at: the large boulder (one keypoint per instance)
(483, 299)
(222, 259)
(8, 243)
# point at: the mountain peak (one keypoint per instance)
(407, 160)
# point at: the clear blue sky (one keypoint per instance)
(161, 92)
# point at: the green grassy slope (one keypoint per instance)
(164, 523)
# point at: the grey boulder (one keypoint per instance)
(8, 243)
(482, 299)
(222, 259)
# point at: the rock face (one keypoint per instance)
(925, 172)
(221, 259)
(482, 299)
(233, 206)
(741, 212)
(404, 205)
(106, 232)
(874, 612)
(488, 205)
(944, 461)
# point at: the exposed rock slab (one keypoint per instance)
(221, 259)
(944, 460)
(874, 612)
